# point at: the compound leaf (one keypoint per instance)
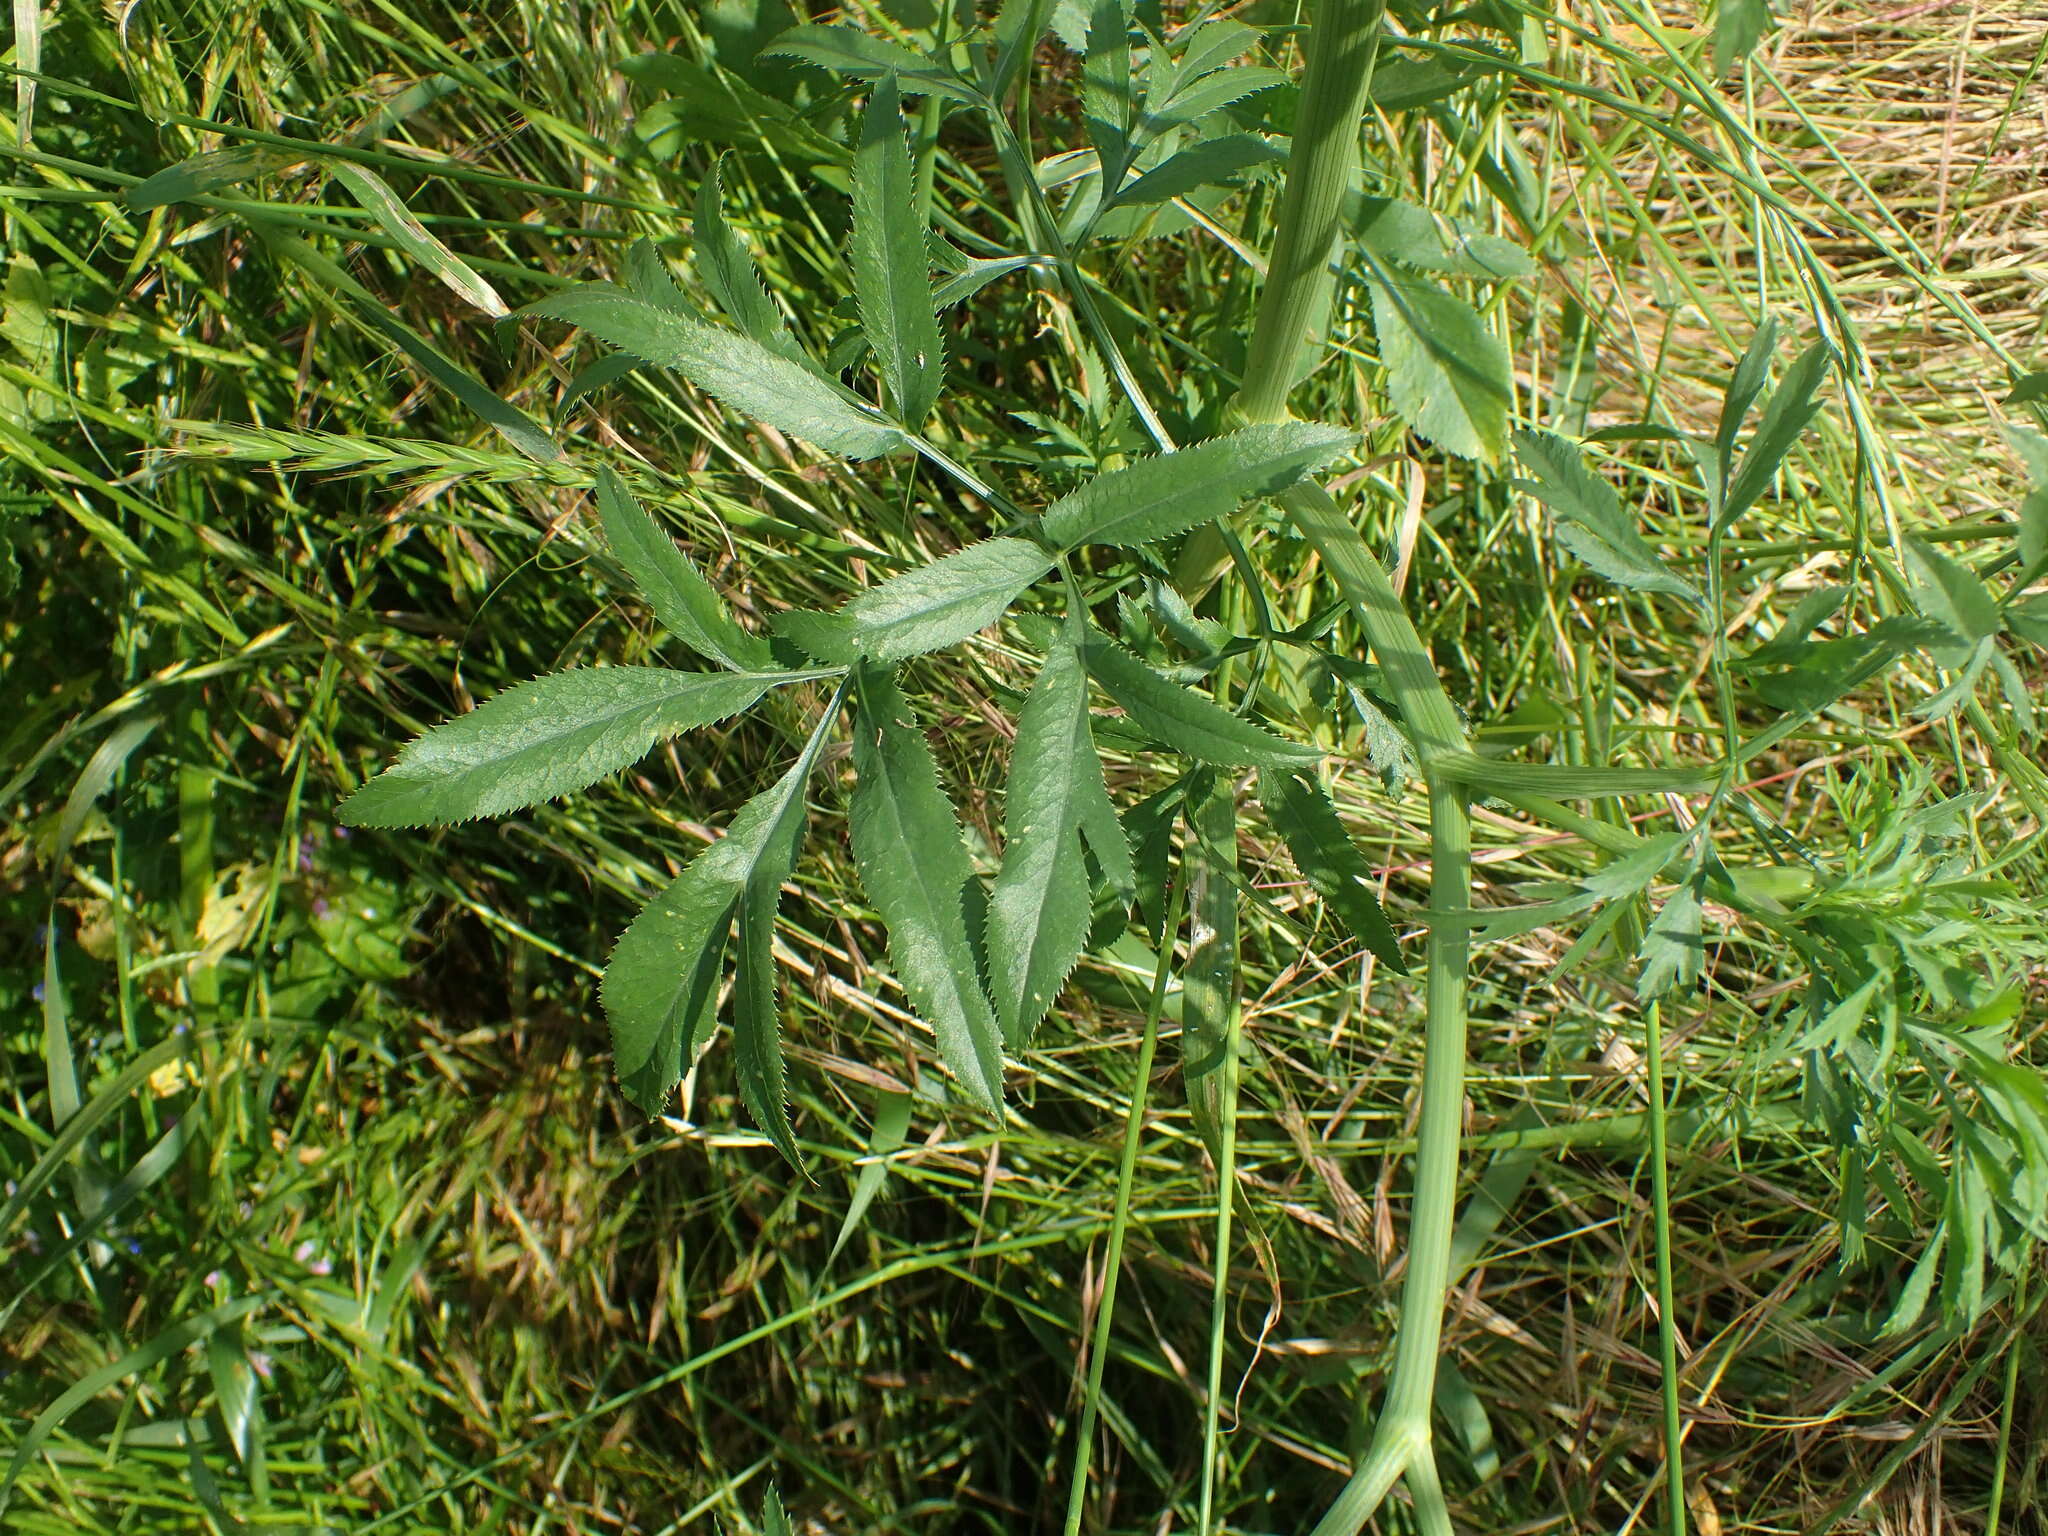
(727, 270)
(1591, 523)
(848, 52)
(891, 265)
(1785, 418)
(1039, 912)
(661, 985)
(1211, 163)
(915, 870)
(1306, 819)
(738, 370)
(682, 599)
(1170, 493)
(548, 737)
(1184, 720)
(942, 603)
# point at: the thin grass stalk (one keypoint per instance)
(1667, 1323)
(1120, 1218)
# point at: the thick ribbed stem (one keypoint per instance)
(1294, 309)
(1293, 315)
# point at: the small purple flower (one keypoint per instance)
(306, 853)
(36, 991)
(212, 1280)
(134, 1245)
(320, 1267)
(303, 1252)
(342, 833)
(320, 908)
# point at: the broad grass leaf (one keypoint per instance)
(735, 369)
(892, 281)
(1739, 25)
(1306, 819)
(892, 1122)
(848, 52)
(546, 738)
(941, 604)
(1170, 493)
(513, 425)
(916, 873)
(1447, 371)
(212, 171)
(1209, 985)
(1184, 720)
(727, 270)
(1783, 421)
(1210, 163)
(1568, 781)
(1413, 236)
(418, 242)
(1039, 913)
(682, 599)
(1590, 522)
(661, 984)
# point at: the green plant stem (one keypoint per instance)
(1212, 1022)
(1294, 307)
(1667, 1325)
(1120, 1220)
(1293, 313)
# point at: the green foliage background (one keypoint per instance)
(325, 1210)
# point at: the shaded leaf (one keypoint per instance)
(1209, 995)
(848, 52)
(1306, 819)
(1591, 523)
(1185, 721)
(1413, 236)
(1739, 25)
(727, 270)
(1210, 163)
(682, 599)
(1674, 949)
(2030, 389)
(1447, 372)
(661, 984)
(736, 369)
(546, 738)
(915, 870)
(1157, 497)
(1039, 912)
